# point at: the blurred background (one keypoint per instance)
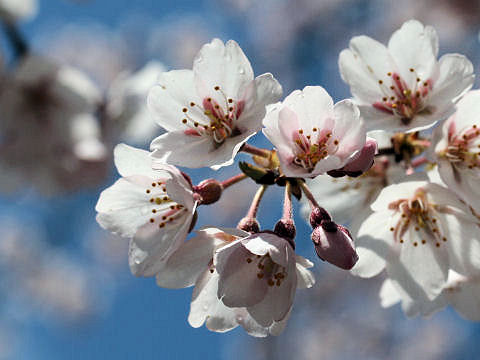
(73, 81)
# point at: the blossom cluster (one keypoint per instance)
(409, 113)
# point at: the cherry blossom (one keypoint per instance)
(261, 274)
(403, 86)
(49, 135)
(456, 146)
(153, 207)
(210, 111)
(192, 264)
(418, 231)
(312, 135)
(461, 292)
(126, 105)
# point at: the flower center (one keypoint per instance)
(313, 147)
(417, 215)
(268, 270)
(217, 121)
(463, 148)
(163, 209)
(399, 100)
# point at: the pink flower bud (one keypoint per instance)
(210, 191)
(364, 160)
(333, 243)
(249, 224)
(318, 215)
(360, 163)
(285, 228)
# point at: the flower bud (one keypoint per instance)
(285, 228)
(249, 224)
(364, 160)
(210, 191)
(318, 215)
(361, 163)
(333, 243)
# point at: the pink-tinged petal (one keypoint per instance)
(132, 161)
(455, 77)
(207, 308)
(414, 46)
(167, 100)
(305, 278)
(349, 129)
(266, 243)
(192, 257)
(278, 301)
(239, 285)
(363, 160)
(312, 106)
(222, 65)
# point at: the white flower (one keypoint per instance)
(261, 274)
(311, 134)
(461, 292)
(50, 136)
(210, 111)
(418, 231)
(127, 106)
(154, 207)
(193, 264)
(456, 147)
(403, 86)
(14, 10)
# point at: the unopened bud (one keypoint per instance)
(361, 163)
(285, 228)
(249, 224)
(364, 160)
(210, 191)
(333, 243)
(318, 215)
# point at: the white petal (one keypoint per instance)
(123, 207)
(132, 161)
(205, 306)
(239, 285)
(421, 270)
(190, 260)
(373, 245)
(455, 78)
(175, 91)
(222, 65)
(389, 295)
(414, 46)
(305, 278)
